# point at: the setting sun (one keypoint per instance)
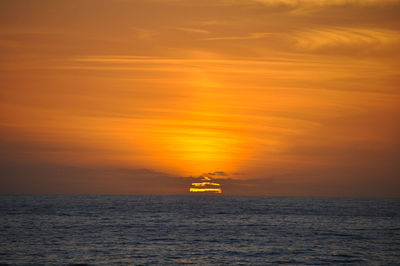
(206, 186)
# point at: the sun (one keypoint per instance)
(206, 186)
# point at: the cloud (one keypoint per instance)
(345, 37)
(307, 184)
(194, 30)
(14, 31)
(211, 175)
(217, 174)
(225, 3)
(62, 179)
(145, 34)
(251, 36)
(325, 2)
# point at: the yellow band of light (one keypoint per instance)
(202, 184)
(216, 190)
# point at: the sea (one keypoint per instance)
(200, 230)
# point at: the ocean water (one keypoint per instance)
(114, 230)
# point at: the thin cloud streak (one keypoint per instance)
(251, 36)
(348, 37)
(326, 2)
(194, 30)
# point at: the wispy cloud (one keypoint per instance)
(144, 34)
(251, 36)
(194, 30)
(347, 37)
(29, 31)
(325, 2)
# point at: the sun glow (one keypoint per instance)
(194, 141)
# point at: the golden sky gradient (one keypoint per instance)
(281, 97)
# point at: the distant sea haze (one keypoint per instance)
(128, 230)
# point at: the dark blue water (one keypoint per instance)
(198, 229)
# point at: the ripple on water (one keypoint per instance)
(95, 230)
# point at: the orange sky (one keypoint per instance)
(282, 97)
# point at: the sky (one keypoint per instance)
(268, 97)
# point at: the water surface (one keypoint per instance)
(198, 230)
